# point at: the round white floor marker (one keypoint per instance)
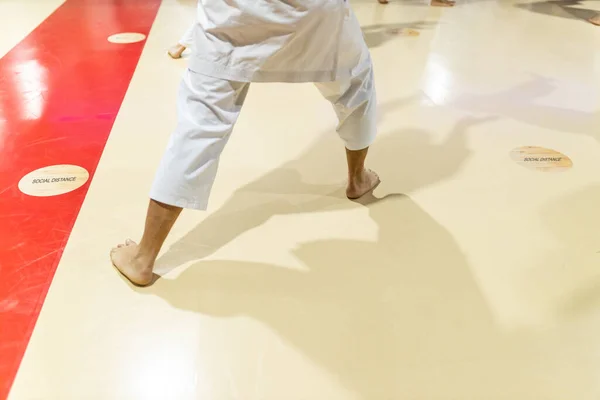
(54, 180)
(126, 37)
(541, 159)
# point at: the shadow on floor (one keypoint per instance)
(574, 221)
(349, 310)
(398, 317)
(519, 103)
(378, 34)
(560, 8)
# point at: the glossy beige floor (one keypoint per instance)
(473, 277)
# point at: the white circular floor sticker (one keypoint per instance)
(541, 159)
(126, 37)
(54, 180)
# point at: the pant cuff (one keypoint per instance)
(179, 201)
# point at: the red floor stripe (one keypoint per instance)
(60, 91)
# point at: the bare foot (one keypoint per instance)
(442, 3)
(363, 184)
(595, 20)
(125, 259)
(176, 51)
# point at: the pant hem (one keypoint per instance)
(178, 201)
(360, 145)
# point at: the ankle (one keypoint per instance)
(357, 176)
(144, 259)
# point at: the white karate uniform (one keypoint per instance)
(187, 39)
(243, 41)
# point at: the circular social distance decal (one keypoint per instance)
(126, 37)
(541, 159)
(53, 180)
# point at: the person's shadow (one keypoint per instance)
(379, 316)
(398, 316)
(375, 314)
(560, 8)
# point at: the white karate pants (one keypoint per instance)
(208, 109)
(187, 39)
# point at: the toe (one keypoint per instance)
(375, 175)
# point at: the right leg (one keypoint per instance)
(207, 111)
(354, 100)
